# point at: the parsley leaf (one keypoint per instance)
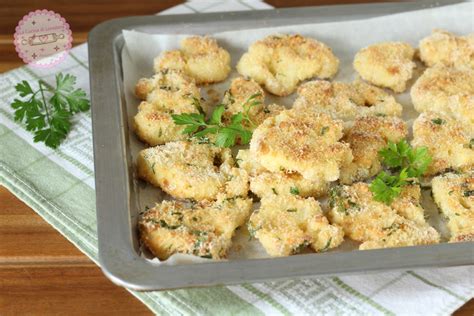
(328, 244)
(66, 97)
(226, 135)
(393, 154)
(468, 193)
(471, 144)
(247, 106)
(189, 119)
(294, 191)
(77, 101)
(324, 130)
(401, 155)
(216, 117)
(164, 224)
(49, 120)
(406, 163)
(24, 88)
(52, 138)
(418, 161)
(438, 121)
(385, 188)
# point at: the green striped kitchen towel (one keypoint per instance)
(59, 185)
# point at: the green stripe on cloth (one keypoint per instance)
(75, 162)
(7, 114)
(4, 130)
(388, 284)
(361, 296)
(191, 8)
(78, 60)
(437, 286)
(246, 5)
(267, 299)
(224, 302)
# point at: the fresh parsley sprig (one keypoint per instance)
(247, 106)
(386, 187)
(49, 119)
(226, 134)
(401, 155)
(405, 162)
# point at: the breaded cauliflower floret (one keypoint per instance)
(307, 143)
(346, 101)
(155, 126)
(388, 64)
(192, 171)
(448, 143)
(445, 48)
(268, 183)
(264, 182)
(285, 225)
(246, 160)
(203, 229)
(246, 96)
(461, 108)
(408, 204)
(446, 90)
(376, 224)
(454, 194)
(366, 138)
(280, 62)
(199, 57)
(169, 89)
(166, 93)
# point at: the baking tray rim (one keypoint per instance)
(118, 257)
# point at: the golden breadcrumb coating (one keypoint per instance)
(269, 183)
(388, 64)
(408, 204)
(449, 143)
(346, 101)
(280, 62)
(446, 90)
(445, 48)
(264, 182)
(461, 108)
(376, 224)
(192, 171)
(155, 126)
(285, 225)
(203, 229)
(246, 160)
(246, 96)
(307, 143)
(454, 194)
(166, 93)
(169, 89)
(366, 138)
(199, 57)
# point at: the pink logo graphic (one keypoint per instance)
(42, 38)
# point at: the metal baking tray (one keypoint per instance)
(115, 195)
